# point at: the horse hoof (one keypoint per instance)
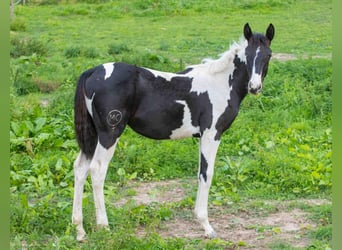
(80, 234)
(81, 238)
(211, 235)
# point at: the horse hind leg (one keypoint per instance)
(98, 171)
(81, 170)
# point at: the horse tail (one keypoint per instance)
(86, 134)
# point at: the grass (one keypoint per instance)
(185, 34)
(279, 147)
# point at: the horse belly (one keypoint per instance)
(187, 128)
(164, 121)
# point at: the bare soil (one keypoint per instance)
(251, 228)
(287, 57)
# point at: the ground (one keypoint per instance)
(287, 57)
(253, 225)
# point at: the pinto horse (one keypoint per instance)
(201, 101)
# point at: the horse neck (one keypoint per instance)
(238, 80)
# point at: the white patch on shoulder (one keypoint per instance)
(109, 68)
(89, 104)
(187, 129)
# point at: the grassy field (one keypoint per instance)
(274, 161)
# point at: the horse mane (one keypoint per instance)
(225, 60)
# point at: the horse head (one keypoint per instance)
(258, 54)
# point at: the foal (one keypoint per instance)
(202, 101)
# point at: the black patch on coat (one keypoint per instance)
(238, 93)
(157, 111)
(201, 110)
(114, 93)
(203, 168)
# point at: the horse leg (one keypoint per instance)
(81, 169)
(98, 171)
(208, 150)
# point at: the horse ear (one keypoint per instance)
(270, 32)
(247, 31)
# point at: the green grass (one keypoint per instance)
(303, 27)
(278, 148)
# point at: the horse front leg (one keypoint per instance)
(208, 150)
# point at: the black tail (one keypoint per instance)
(84, 126)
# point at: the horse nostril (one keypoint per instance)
(250, 86)
(254, 90)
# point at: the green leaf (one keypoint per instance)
(133, 176)
(121, 172)
(63, 184)
(242, 243)
(59, 164)
(276, 230)
(41, 138)
(32, 179)
(16, 128)
(40, 122)
(270, 144)
(29, 126)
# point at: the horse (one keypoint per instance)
(202, 101)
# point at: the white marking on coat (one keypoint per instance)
(217, 87)
(89, 104)
(255, 81)
(98, 170)
(187, 129)
(81, 169)
(166, 75)
(109, 68)
(213, 77)
(208, 147)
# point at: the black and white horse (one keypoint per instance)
(202, 101)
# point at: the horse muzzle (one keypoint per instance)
(255, 84)
(254, 88)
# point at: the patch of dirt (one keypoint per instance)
(160, 192)
(287, 57)
(255, 230)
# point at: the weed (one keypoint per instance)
(24, 86)
(26, 46)
(72, 52)
(91, 52)
(47, 2)
(77, 51)
(45, 86)
(281, 246)
(18, 24)
(322, 234)
(235, 173)
(116, 49)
